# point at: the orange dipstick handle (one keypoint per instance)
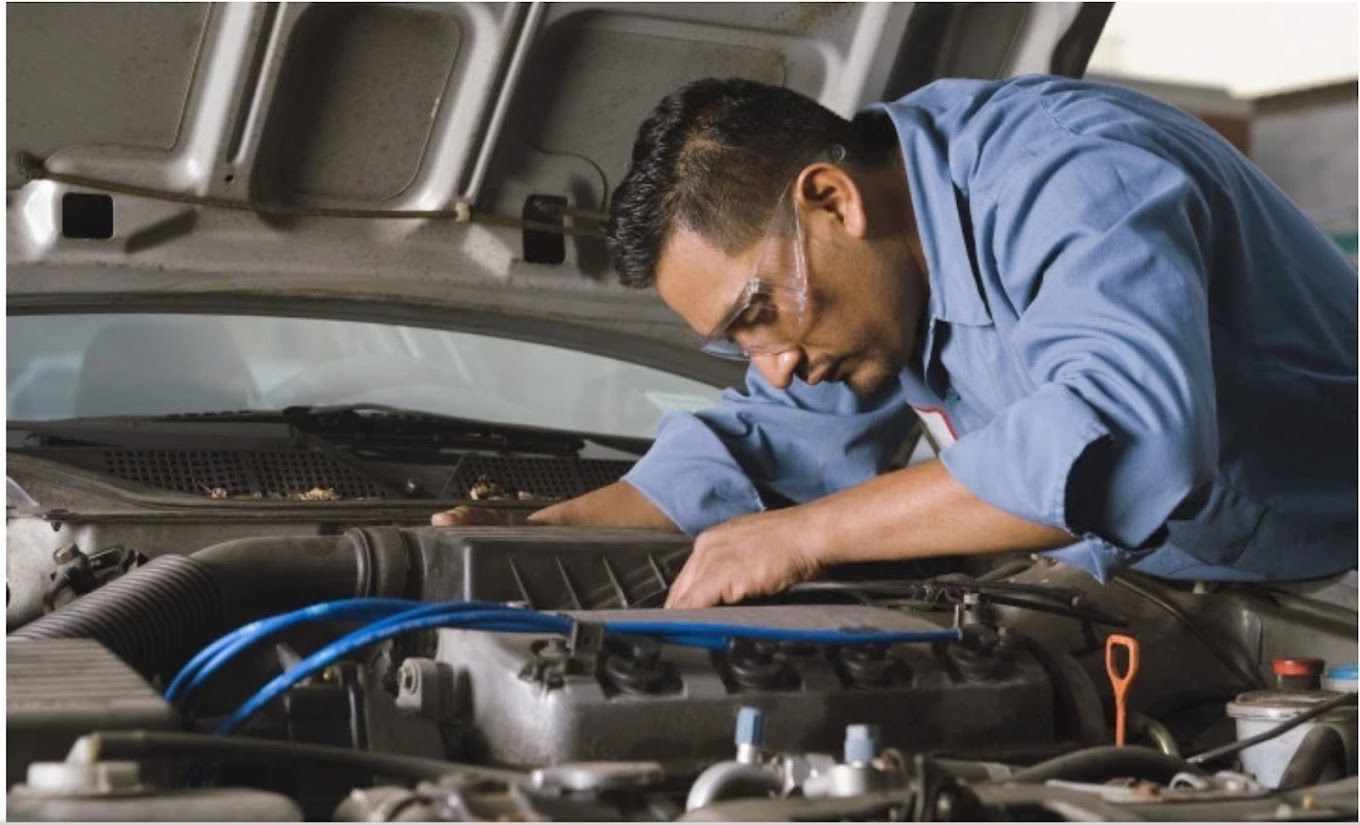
(1120, 682)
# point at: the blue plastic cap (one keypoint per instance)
(1344, 672)
(750, 727)
(861, 743)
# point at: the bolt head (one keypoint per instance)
(862, 743)
(410, 675)
(750, 727)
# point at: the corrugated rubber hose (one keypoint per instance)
(145, 617)
(158, 615)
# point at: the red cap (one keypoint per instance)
(1295, 666)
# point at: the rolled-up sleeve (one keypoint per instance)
(767, 445)
(1096, 246)
(690, 474)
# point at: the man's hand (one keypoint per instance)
(911, 513)
(747, 557)
(476, 517)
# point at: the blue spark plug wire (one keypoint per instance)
(209, 661)
(492, 620)
(724, 632)
(497, 618)
(227, 646)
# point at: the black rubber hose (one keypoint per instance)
(157, 615)
(154, 614)
(1107, 762)
(262, 576)
(1321, 749)
(141, 744)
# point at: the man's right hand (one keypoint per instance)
(476, 517)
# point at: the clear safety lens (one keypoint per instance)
(770, 313)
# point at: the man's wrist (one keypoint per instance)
(820, 534)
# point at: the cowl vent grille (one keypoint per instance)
(537, 478)
(239, 472)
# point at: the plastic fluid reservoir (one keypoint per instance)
(1261, 710)
(1342, 679)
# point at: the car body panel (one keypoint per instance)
(338, 116)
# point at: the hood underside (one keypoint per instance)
(446, 165)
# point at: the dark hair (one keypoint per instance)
(714, 156)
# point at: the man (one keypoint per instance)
(1132, 348)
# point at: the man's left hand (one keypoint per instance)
(747, 557)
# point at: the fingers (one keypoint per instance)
(471, 517)
(688, 589)
(696, 586)
(741, 559)
(687, 597)
(675, 597)
(448, 518)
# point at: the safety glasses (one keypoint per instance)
(769, 314)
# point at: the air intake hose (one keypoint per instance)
(157, 615)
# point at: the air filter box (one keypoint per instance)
(550, 568)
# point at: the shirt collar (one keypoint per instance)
(936, 202)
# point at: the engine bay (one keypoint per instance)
(179, 654)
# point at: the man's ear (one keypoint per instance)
(831, 191)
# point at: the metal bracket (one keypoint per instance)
(585, 638)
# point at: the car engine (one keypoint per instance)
(183, 656)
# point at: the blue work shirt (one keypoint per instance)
(1109, 280)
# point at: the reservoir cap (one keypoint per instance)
(1297, 666)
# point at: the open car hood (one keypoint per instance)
(401, 162)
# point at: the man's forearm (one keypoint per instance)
(916, 512)
(912, 513)
(616, 505)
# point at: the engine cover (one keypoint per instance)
(525, 701)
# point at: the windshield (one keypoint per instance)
(69, 366)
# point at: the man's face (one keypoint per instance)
(865, 287)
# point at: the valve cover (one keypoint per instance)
(531, 702)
